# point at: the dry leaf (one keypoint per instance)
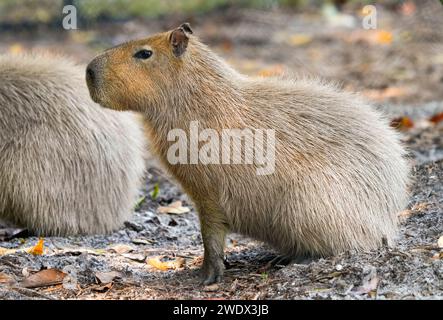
(37, 250)
(402, 123)
(5, 251)
(272, 71)
(227, 45)
(79, 251)
(6, 279)
(405, 214)
(168, 265)
(380, 95)
(121, 248)
(420, 207)
(440, 242)
(174, 208)
(211, 288)
(44, 278)
(143, 241)
(384, 37)
(438, 256)
(16, 48)
(107, 277)
(437, 118)
(135, 256)
(408, 8)
(299, 39)
(372, 37)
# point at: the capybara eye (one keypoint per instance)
(143, 54)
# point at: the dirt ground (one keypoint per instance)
(398, 66)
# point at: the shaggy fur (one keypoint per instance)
(67, 166)
(340, 177)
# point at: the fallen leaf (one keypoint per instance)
(135, 257)
(174, 208)
(16, 48)
(437, 118)
(372, 37)
(79, 251)
(402, 123)
(6, 279)
(299, 39)
(5, 251)
(168, 265)
(438, 256)
(272, 71)
(211, 288)
(380, 95)
(405, 214)
(142, 241)
(408, 8)
(37, 250)
(227, 45)
(440, 242)
(422, 206)
(121, 248)
(44, 278)
(384, 37)
(107, 277)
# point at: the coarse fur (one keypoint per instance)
(67, 166)
(340, 173)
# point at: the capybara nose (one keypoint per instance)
(90, 74)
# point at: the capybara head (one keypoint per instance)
(134, 75)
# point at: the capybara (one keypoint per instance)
(67, 166)
(340, 174)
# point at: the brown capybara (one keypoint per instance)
(339, 175)
(67, 166)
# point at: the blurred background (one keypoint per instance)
(400, 61)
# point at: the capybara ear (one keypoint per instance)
(187, 27)
(179, 39)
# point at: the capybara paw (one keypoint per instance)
(212, 272)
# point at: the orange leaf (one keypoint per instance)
(402, 123)
(168, 265)
(408, 8)
(384, 37)
(6, 279)
(16, 48)
(271, 72)
(380, 95)
(38, 248)
(437, 118)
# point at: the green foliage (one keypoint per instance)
(139, 203)
(29, 11)
(155, 192)
(45, 11)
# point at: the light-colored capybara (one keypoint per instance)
(67, 166)
(340, 173)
